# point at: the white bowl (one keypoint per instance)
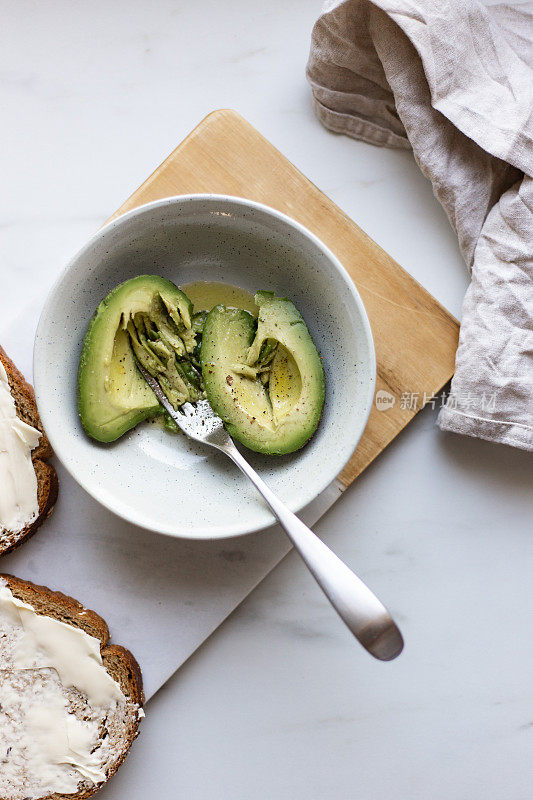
(164, 482)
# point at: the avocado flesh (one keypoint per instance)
(264, 378)
(147, 318)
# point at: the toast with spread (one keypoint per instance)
(70, 702)
(29, 490)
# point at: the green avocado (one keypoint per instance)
(150, 319)
(263, 377)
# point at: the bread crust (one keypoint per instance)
(118, 661)
(47, 482)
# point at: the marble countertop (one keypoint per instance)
(280, 702)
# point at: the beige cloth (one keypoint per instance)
(453, 80)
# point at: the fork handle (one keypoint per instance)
(358, 607)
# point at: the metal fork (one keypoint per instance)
(363, 613)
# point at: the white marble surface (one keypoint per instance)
(280, 703)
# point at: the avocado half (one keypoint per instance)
(264, 378)
(150, 317)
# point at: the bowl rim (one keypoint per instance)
(225, 531)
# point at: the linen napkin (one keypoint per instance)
(453, 80)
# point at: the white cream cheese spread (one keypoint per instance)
(18, 481)
(56, 698)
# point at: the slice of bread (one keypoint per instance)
(47, 483)
(118, 731)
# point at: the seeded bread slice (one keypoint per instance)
(47, 483)
(118, 661)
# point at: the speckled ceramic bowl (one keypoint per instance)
(164, 482)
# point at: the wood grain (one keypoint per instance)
(415, 337)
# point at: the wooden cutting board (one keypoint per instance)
(415, 337)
